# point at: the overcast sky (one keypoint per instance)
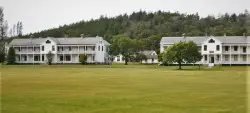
(38, 15)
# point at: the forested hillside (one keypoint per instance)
(152, 26)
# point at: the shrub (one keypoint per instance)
(83, 59)
(50, 57)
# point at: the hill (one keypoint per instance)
(145, 25)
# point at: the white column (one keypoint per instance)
(63, 53)
(71, 58)
(247, 54)
(221, 59)
(238, 54)
(33, 55)
(230, 56)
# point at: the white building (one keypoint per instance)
(152, 57)
(65, 50)
(226, 50)
(118, 59)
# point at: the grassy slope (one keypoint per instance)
(136, 89)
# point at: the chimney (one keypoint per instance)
(82, 35)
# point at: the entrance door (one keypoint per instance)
(212, 60)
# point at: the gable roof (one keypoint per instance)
(60, 41)
(199, 40)
(148, 53)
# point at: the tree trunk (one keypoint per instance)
(179, 65)
(126, 62)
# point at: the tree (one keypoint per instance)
(83, 59)
(2, 54)
(123, 45)
(11, 57)
(49, 56)
(182, 52)
(140, 57)
(192, 54)
(3, 34)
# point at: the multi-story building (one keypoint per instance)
(65, 50)
(226, 50)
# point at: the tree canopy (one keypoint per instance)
(182, 52)
(123, 45)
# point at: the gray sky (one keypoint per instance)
(38, 15)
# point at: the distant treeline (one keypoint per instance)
(152, 26)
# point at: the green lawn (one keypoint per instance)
(122, 89)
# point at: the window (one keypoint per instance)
(205, 57)
(68, 58)
(61, 58)
(244, 58)
(205, 48)
(211, 41)
(152, 60)
(42, 57)
(69, 48)
(47, 42)
(25, 58)
(218, 57)
(218, 47)
(226, 48)
(93, 58)
(118, 58)
(42, 48)
(93, 48)
(62, 48)
(235, 57)
(235, 48)
(36, 58)
(18, 58)
(226, 57)
(102, 48)
(86, 48)
(98, 48)
(19, 49)
(53, 48)
(244, 49)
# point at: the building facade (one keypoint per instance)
(65, 50)
(216, 50)
(151, 55)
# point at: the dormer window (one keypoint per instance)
(48, 42)
(211, 41)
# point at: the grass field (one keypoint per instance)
(122, 89)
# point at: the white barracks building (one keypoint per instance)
(226, 50)
(65, 50)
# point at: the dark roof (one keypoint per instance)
(199, 40)
(60, 41)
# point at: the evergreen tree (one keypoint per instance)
(11, 57)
